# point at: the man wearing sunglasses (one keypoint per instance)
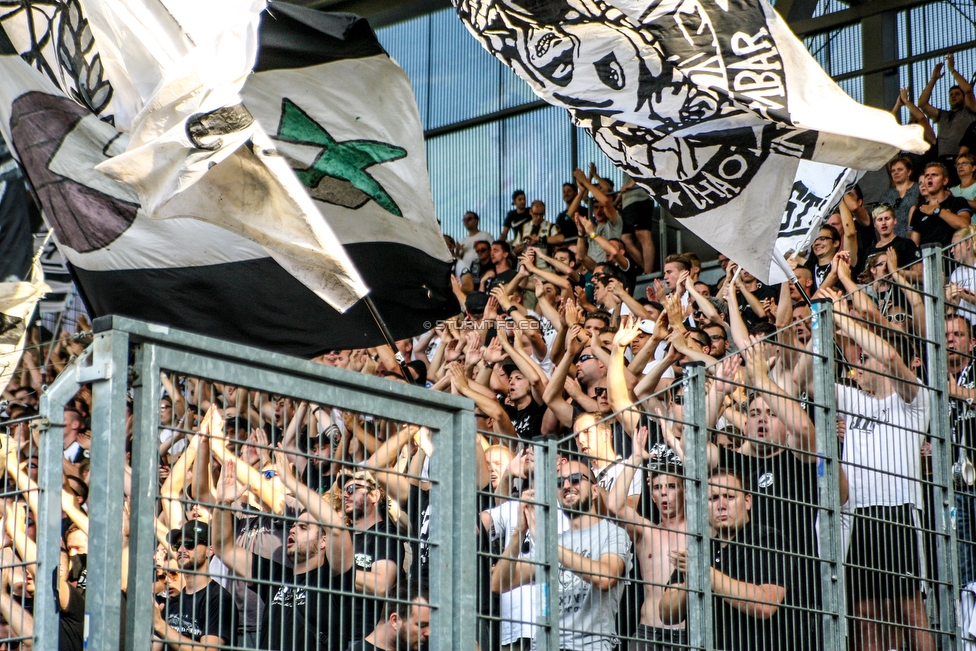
(594, 556)
(376, 544)
(472, 223)
(201, 615)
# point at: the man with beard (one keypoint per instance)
(376, 545)
(962, 419)
(298, 604)
(748, 575)
(201, 615)
(594, 557)
(406, 624)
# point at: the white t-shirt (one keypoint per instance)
(522, 605)
(467, 246)
(608, 476)
(881, 446)
(965, 277)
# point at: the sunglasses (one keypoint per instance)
(583, 358)
(897, 203)
(599, 391)
(698, 314)
(678, 399)
(183, 543)
(269, 474)
(574, 479)
(896, 318)
(350, 489)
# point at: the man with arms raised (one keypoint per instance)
(594, 556)
(298, 604)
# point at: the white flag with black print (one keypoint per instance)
(17, 301)
(265, 242)
(817, 191)
(708, 104)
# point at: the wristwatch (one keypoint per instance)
(593, 235)
(937, 210)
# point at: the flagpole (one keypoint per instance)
(401, 361)
(791, 274)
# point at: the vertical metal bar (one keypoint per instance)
(699, 624)
(828, 476)
(546, 545)
(142, 499)
(946, 552)
(109, 371)
(463, 548)
(49, 475)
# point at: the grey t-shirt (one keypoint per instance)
(607, 231)
(588, 616)
(952, 126)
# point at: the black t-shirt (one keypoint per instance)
(762, 292)
(298, 609)
(934, 229)
(969, 138)
(205, 612)
(785, 496)
(418, 510)
(528, 421)
(753, 556)
(514, 219)
(567, 225)
(71, 622)
(381, 542)
(362, 645)
(502, 278)
(318, 476)
(820, 272)
(906, 250)
(629, 274)
(962, 416)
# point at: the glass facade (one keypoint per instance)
(489, 135)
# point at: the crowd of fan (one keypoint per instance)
(288, 525)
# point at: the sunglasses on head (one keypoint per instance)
(574, 479)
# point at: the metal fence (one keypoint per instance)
(813, 488)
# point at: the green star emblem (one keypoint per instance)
(338, 175)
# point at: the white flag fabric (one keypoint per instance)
(175, 71)
(817, 191)
(353, 151)
(708, 104)
(17, 301)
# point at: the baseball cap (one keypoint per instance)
(646, 326)
(191, 530)
(510, 368)
(476, 302)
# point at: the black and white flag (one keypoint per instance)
(817, 191)
(708, 104)
(256, 212)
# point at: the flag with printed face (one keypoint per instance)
(279, 201)
(17, 301)
(817, 191)
(708, 104)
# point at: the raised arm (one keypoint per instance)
(962, 82)
(923, 99)
(618, 393)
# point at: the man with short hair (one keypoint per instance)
(522, 407)
(201, 615)
(537, 231)
(376, 545)
(962, 421)
(405, 627)
(941, 215)
(594, 557)
(824, 248)
(297, 596)
(718, 338)
(952, 124)
(749, 574)
(472, 224)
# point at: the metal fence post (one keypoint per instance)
(546, 545)
(695, 439)
(828, 476)
(142, 499)
(463, 549)
(108, 373)
(49, 476)
(933, 285)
